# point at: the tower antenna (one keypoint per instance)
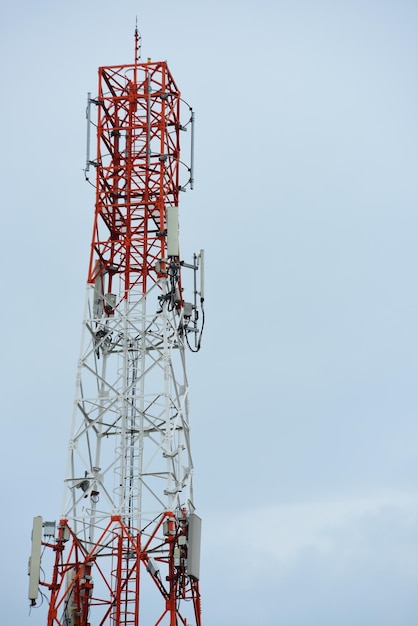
(126, 549)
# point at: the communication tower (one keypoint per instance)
(126, 550)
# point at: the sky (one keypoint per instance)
(304, 395)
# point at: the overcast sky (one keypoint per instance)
(304, 395)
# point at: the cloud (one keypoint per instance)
(342, 532)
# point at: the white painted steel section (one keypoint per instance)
(129, 451)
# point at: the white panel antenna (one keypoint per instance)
(35, 560)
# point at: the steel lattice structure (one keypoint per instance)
(126, 550)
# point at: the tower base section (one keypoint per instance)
(114, 582)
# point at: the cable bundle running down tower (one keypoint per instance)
(127, 548)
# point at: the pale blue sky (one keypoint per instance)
(304, 396)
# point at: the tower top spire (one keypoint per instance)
(137, 42)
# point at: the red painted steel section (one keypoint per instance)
(82, 590)
(137, 172)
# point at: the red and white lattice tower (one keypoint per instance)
(126, 549)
